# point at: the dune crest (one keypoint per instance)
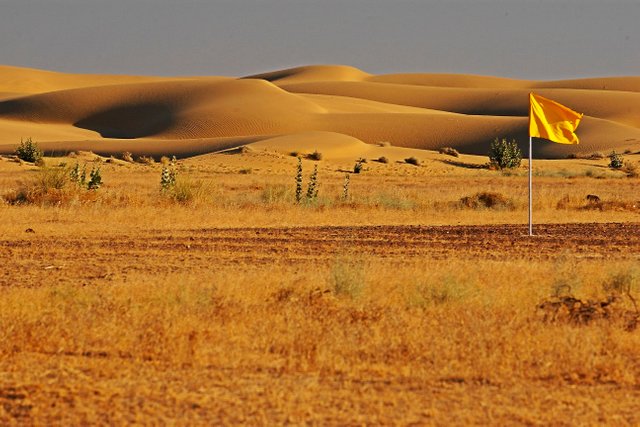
(333, 106)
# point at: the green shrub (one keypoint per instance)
(95, 179)
(615, 160)
(504, 154)
(312, 189)
(29, 151)
(167, 178)
(299, 181)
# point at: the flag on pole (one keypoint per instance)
(553, 121)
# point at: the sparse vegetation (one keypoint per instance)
(127, 157)
(167, 277)
(412, 161)
(345, 187)
(632, 169)
(312, 189)
(95, 179)
(357, 168)
(616, 161)
(299, 181)
(29, 151)
(383, 159)
(504, 154)
(449, 151)
(146, 160)
(316, 155)
(487, 200)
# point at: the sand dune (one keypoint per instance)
(339, 108)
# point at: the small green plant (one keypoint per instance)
(312, 188)
(167, 179)
(357, 168)
(412, 161)
(95, 179)
(504, 154)
(78, 176)
(29, 151)
(299, 181)
(615, 160)
(345, 187)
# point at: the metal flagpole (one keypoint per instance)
(530, 192)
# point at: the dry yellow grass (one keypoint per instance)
(241, 307)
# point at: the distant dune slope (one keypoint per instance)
(341, 104)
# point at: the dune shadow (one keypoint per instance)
(129, 122)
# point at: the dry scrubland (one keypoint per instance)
(225, 302)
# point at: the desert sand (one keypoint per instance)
(337, 110)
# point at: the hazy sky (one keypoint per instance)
(538, 39)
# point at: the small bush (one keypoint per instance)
(127, 157)
(486, 200)
(186, 192)
(29, 151)
(357, 168)
(348, 278)
(449, 151)
(383, 159)
(95, 179)
(316, 155)
(146, 160)
(48, 188)
(615, 160)
(275, 194)
(412, 161)
(504, 154)
(246, 171)
(631, 169)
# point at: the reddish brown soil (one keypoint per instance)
(45, 259)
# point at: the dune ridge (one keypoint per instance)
(330, 107)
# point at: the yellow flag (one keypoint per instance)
(552, 121)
